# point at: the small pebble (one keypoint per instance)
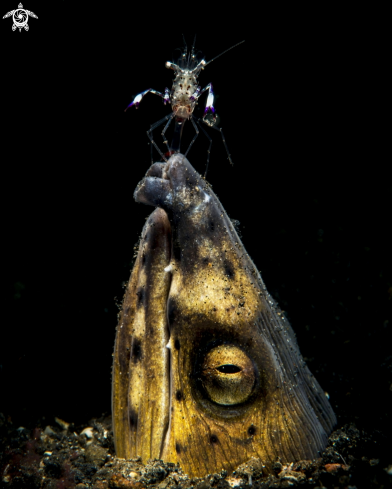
(332, 467)
(48, 431)
(63, 424)
(389, 470)
(96, 455)
(88, 432)
(234, 482)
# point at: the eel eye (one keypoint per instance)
(229, 369)
(228, 375)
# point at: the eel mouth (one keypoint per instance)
(156, 189)
(159, 188)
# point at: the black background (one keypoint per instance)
(300, 107)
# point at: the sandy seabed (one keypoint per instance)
(59, 455)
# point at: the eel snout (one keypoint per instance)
(165, 184)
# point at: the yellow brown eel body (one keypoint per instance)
(207, 371)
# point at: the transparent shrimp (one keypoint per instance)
(183, 98)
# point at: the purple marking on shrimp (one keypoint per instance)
(211, 108)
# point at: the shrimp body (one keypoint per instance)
(183, 98)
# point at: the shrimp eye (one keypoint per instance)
(228, 375)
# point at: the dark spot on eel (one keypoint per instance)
(128, 354)
(176, 251)
(213, 439)
(229, 269)
(211, 225)
(172, 310)
(251, 430)
(179, 395)
(140, 296)
(132, 418)
(136, 350)
(178, 448)
(177, 344)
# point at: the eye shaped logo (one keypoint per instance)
(228, 375)
(20, 16)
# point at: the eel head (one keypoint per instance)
(207, 371)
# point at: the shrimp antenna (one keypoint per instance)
(213, 59)
(185, 47)
(193, 47)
